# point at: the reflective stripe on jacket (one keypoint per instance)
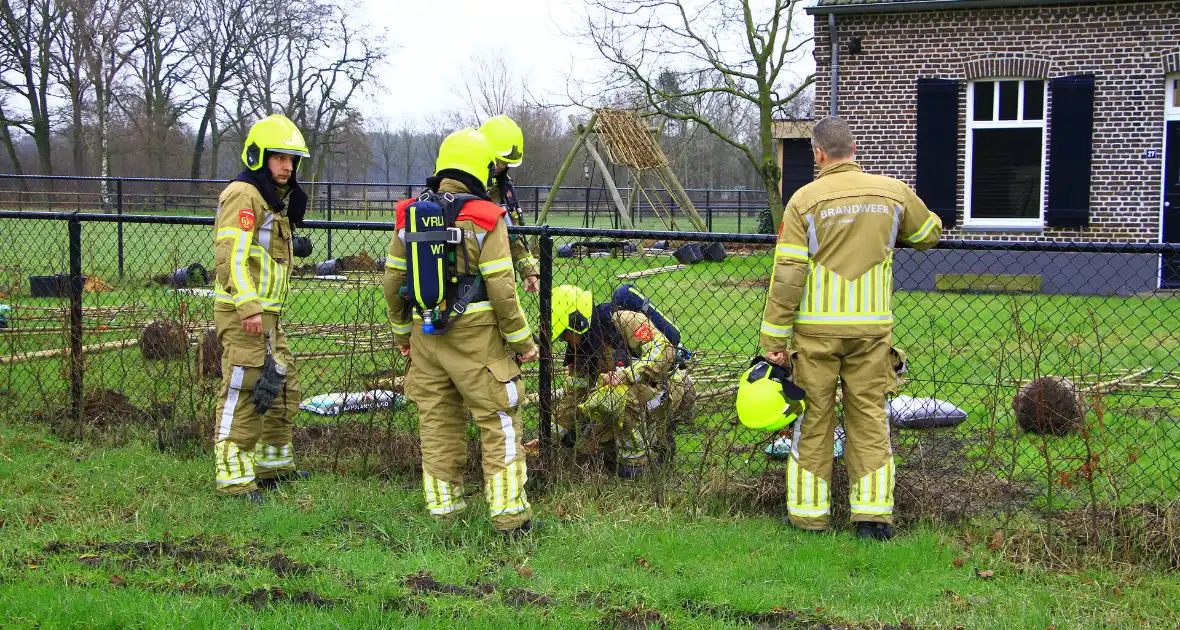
(252, 245)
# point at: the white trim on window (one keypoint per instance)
(1011, 224)
(1171, 96)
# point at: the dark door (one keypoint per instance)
(1171, 270)
(798, 165)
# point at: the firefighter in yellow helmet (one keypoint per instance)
(832, 288)
(253, 245)
(625, 378)
(452, 301)
(508, 140)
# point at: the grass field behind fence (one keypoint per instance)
(971, 349)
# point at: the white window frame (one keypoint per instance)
(1037, 223)
(1171, 107)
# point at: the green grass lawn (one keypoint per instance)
(129, 537)
(607, 551)
(970, 349)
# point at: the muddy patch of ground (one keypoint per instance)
(346, 445)
(424, 583)
(633, 618)
(190, 551)
(934, 482)
(779, 617)
(260, 598)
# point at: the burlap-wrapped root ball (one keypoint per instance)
(163, 339)
(1049, 405)
(209, 354)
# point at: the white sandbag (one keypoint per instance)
(907, 412)
(337, 403)
(781, 447)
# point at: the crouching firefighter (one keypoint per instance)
(628, 384)
(253, 244)
(450, 290)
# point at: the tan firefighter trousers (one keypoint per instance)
(865, 369)
(469, 368)
(249, 445)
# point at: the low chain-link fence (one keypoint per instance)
(1056, 365)
(722, 210)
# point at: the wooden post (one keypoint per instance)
(681, 197)
(583, 133)
(610, 183)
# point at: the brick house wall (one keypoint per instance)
(1129, 47)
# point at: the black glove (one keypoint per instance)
(269, 385)
(301, 246)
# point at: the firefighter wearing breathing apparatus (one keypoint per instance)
(452, 301)
(508, 141)
(627, 377)
(830, 293)
(253, 244)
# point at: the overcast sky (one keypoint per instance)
(436, 37)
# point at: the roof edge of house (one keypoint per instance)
(937, 5)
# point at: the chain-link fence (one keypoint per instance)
(723, 210)
(113, 342)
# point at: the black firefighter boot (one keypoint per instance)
(875, 531)
(270, 483)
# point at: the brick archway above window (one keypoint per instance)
(1023, 66)
(1172, 62)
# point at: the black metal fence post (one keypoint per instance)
(740, 211)
(119, 211)
(329, 213)
(545, 378)
(536, 204)
(76, 359)
(709, 209)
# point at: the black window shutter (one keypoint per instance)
(1071, 143)
(938, 147)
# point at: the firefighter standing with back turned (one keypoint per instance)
(833, 283)
(252, 239)
(508, 140)
(452, 301)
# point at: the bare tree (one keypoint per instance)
(29, 28)
(70, 76)
(385, 143)
(312, 71)
(162, 66)
(489, 88)
(736, 47)
(405, 139)
(107, 45)
(223, 34)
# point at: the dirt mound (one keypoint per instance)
(1049, 405)
(209, 353)
(260, 598)
(520, 597)
(163, 339)
(634, 618)
(103, 409)
(357, 262)
(932, 483)
(94, 284)
(424, 582)
(397, 452)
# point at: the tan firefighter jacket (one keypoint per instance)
(833, 264)
(252, 245)
(521, 256)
